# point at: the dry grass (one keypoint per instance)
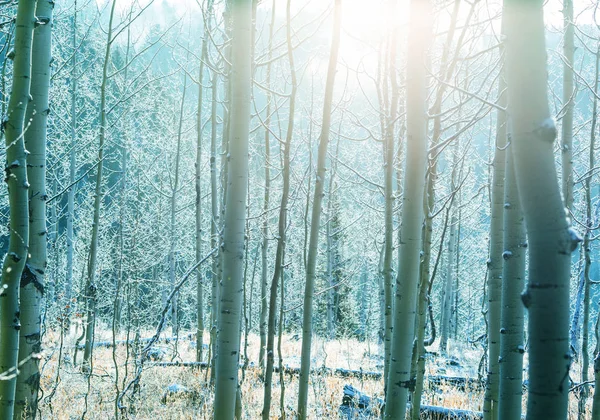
(68, 402)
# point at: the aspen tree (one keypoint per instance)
(512, 337)
(214, 223)
(596, 401)
(72, 170)
(173, 214)
(18, 197)
(315, 223)
(198, 185)
(550, 238)
(587, 251)
(282, 223)
(399, 380)
(90, 287)
(568, 103)
(446, 71)
(263, 326)
(388, 171)
(32, 279)
(494, 277)
(446, 307)
(228, 348)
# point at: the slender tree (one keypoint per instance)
(568, 104)
(265, 227)
(398, 382)
(198, 185)
(494, 277)
(282, 224)
(18, 197)
(214, 224)
(551, 240)
(228, 348)
(91, 287)
(315, 224)
(512, 346)
(32, 280)
(587, 251)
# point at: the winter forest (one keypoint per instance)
(286, 209)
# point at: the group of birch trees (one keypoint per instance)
(284, 168)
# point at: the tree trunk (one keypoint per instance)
(18, 187)
(265, 227)
(596, 401)
(228, 349)
(425, 278)
(551, 240)
(173, 215)
(214, 224)
(589, 221)
(398, 382)
(282, 226)
(512, 345)
(449, 281)
(494, 283)
(72, 170)
(32, 279)
(90, 287)
(315, 224)
(568, 101)
(198, 179)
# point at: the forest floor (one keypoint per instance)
(66, 398)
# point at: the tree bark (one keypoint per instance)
(228, 348)
(214, 205)
(551, 240)
(589, 221)
(399, 381)
(494, 283)
(512, 345)
(33, 277)
(18, 188)
(315, 224)
(198, 179)
(568, 102)
(90, 287)
(265, 228)
(282, 224)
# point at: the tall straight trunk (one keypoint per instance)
(446, 71)
(494, 277)
(214, 224)
(72, 171)
(282, 225)
(315, 223)
(173, 215)
(198, 185)
(332, 246)
(32, 280)
(551, 240)
(18, 187)
(449, 282)
(451, 257)
(587, 252)
(398, 382)
(596, 401)
(265, 227)
(228, 348)
(568, 102)
(388, 174)
(512, 337)
(90, 287)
